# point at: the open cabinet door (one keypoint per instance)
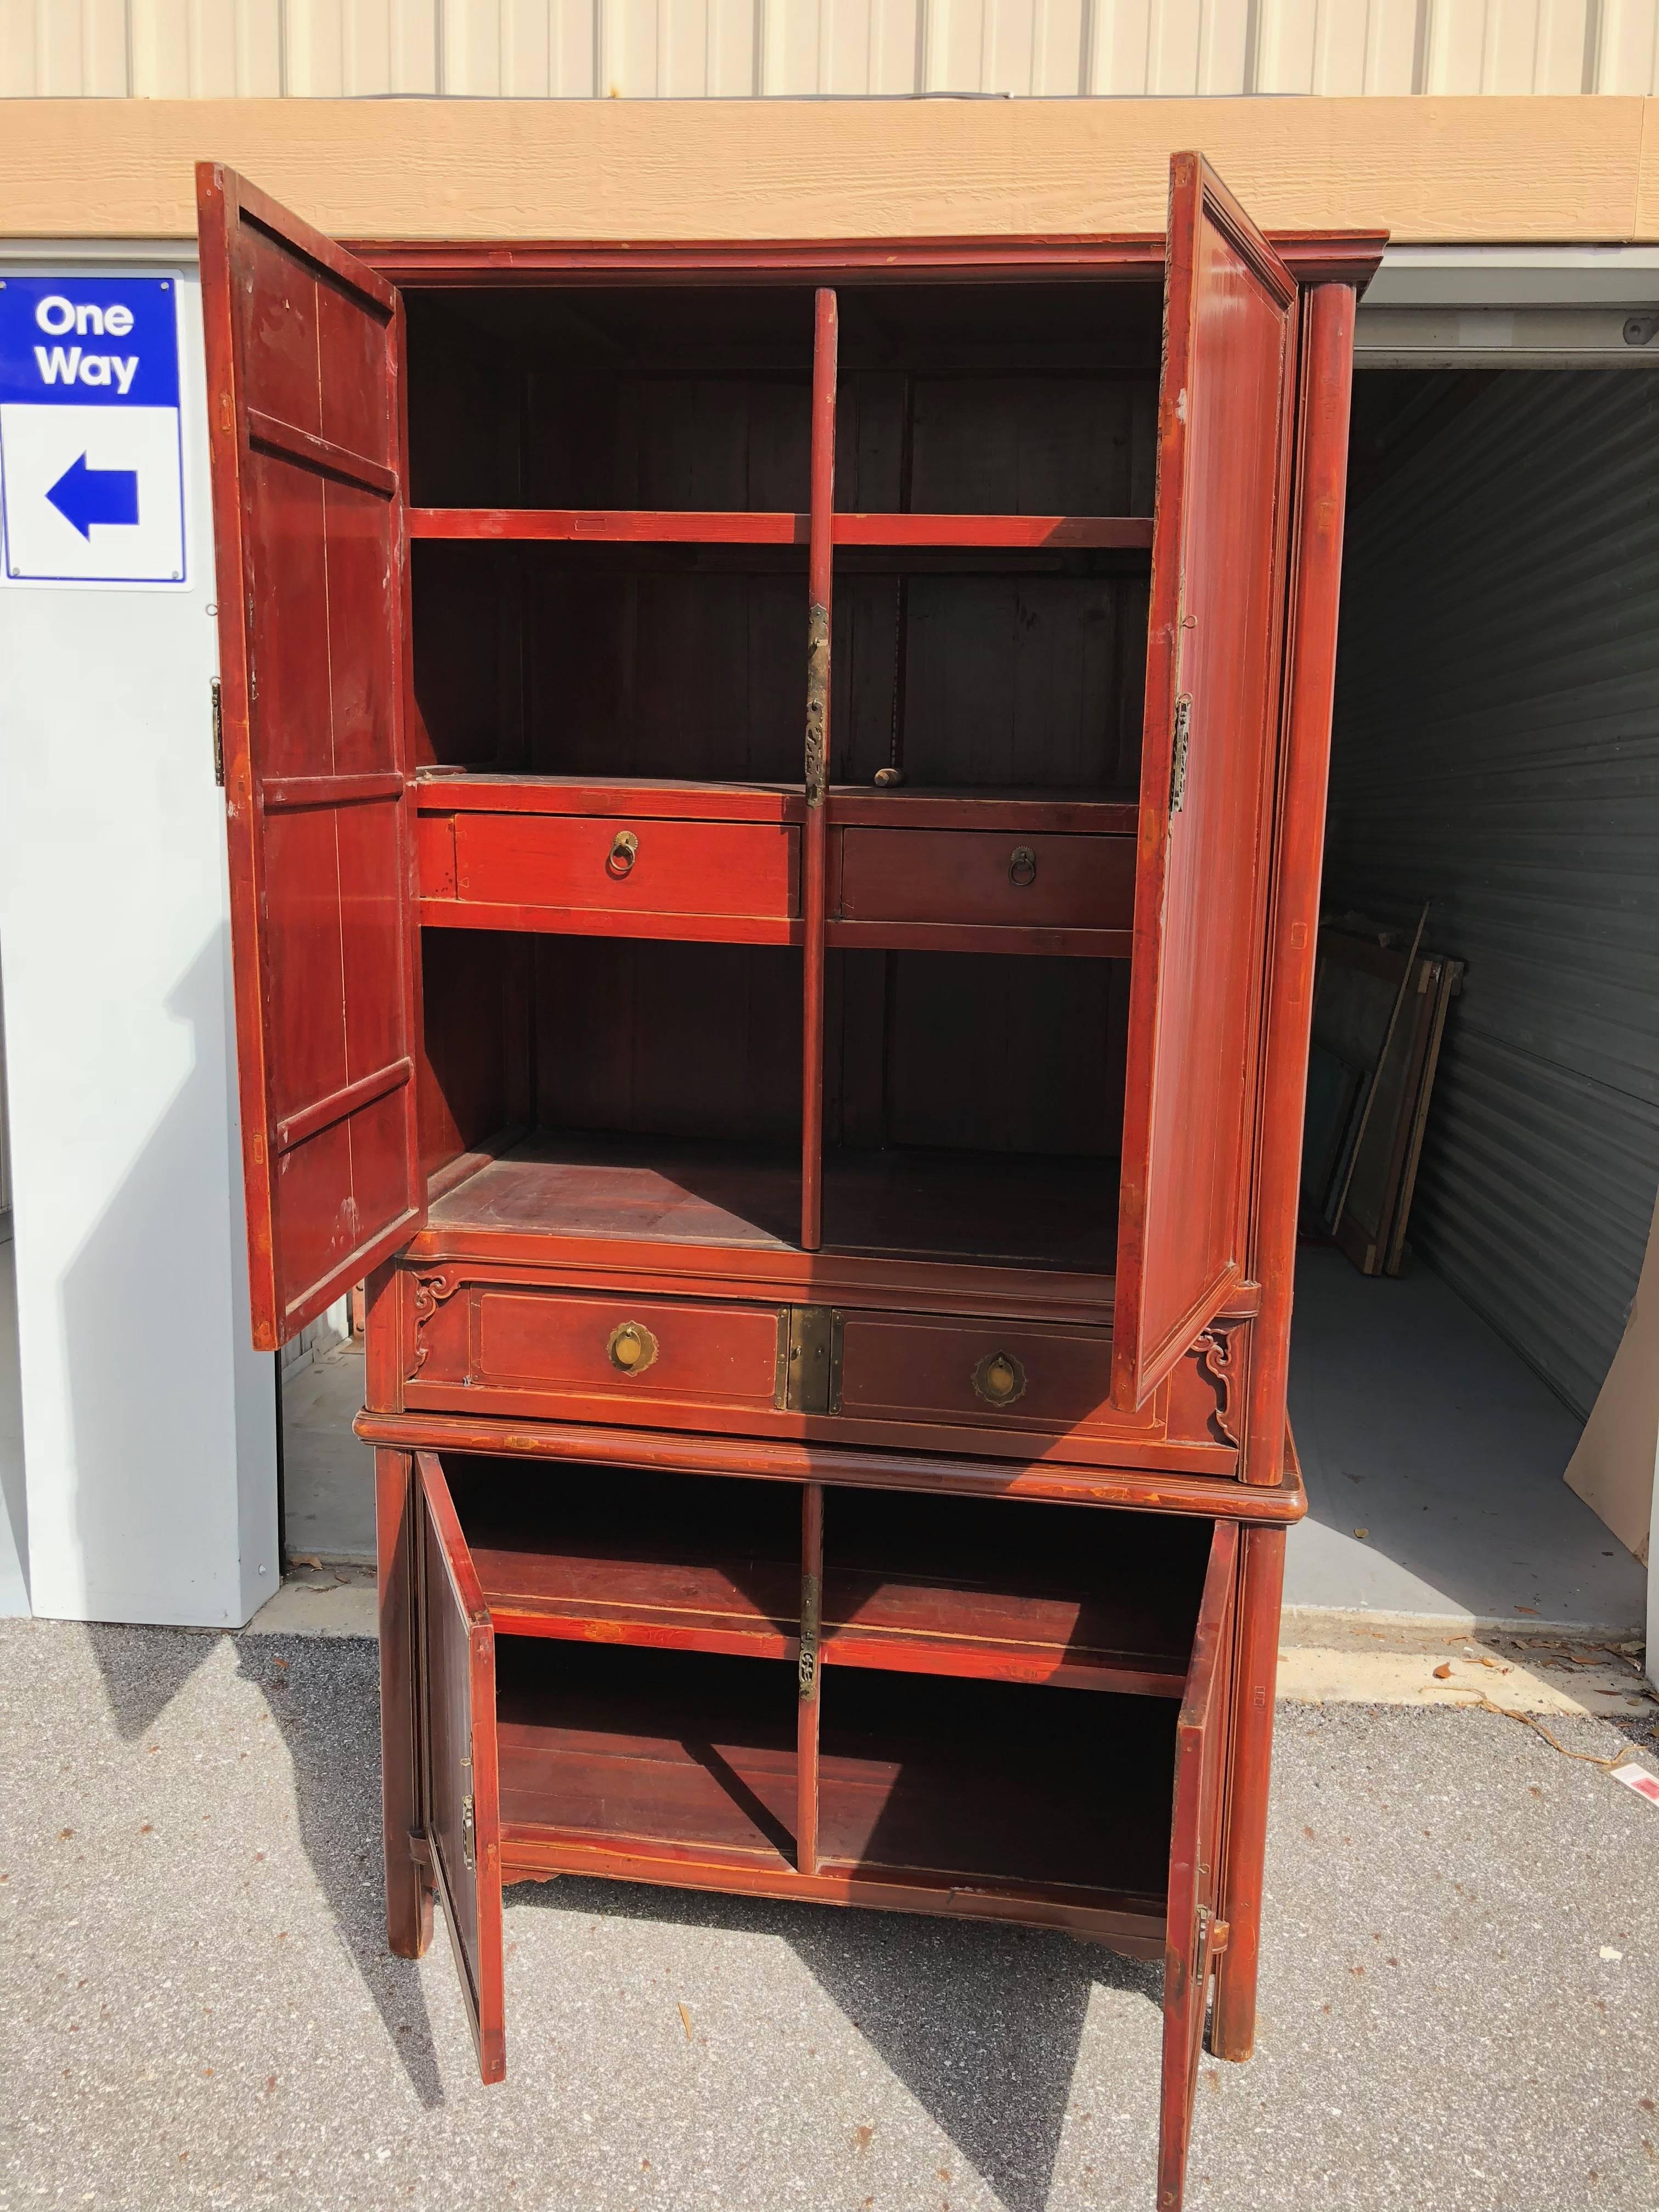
(304, 365)
(1192, 1941)
(1207, 759)
(460, 1779)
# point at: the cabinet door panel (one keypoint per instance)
(460, 1780)
(1207, 758)
(304, 357)
(1192, 1939)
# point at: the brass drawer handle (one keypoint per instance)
(1022, 865)
(631, 1348)
(624, 850)
(999, 1378)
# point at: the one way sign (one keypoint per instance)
(91, 441)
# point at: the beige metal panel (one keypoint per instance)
(1510, 46)
(64, 50)
(1459, 171)
(1338, 47)
(686, 49)
(1627, 46)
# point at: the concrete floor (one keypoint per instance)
(1460, 2005)
(328, 1476)
(1416, 1423)
(1418, 1427)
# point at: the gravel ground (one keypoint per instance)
(1459, 2008)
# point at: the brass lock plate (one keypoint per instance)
(809, 1360)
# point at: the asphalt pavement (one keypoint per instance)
(1460, 2003)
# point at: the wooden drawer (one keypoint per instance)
(610, 866)
(906, 1367)
(1001, 878)
(628, 1357)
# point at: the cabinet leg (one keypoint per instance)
(408, 1894)
(1262, 1584)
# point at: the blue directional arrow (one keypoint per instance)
(83, 495)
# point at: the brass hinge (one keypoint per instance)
(218, 735)
(1183, 725)
(817, 702)
(469, 1835)
(809, 1636)
(809, 1360)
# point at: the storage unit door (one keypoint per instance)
(304, 352)
(460, 1787)
(1207, 761)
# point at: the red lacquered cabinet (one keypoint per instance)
(775, 798)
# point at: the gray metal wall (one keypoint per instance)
(1496, 750)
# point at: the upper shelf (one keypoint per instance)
(1010, 532)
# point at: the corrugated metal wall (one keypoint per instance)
(1496, 750)
(687, 48)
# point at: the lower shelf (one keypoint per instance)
(983, 1208)
(626, 1761)
(1033, 1594)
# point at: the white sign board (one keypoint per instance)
(92, 487)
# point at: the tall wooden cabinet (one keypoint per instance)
(775, 797)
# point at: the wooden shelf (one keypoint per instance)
(692, 1758)
(602, 527)
(986, 1591)
(854, 805)
(983, 1208)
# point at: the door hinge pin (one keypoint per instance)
(218, 733)
(808, 1668)
(1183, 723)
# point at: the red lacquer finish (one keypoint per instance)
(681, 527)
(1260, 1590)
(816, 836)
(831, 1207)
(1194, 1937)
(303, 346)
(460, 1822)
(1310, 683)
(1206, 768)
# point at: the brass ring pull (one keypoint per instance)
(999, 1378)
(1022, 865)
(624, 848)
(631, 1348)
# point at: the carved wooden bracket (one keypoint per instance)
(1215, 1352)
(430, 1291)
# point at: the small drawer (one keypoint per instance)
(609, 865)
(1003, 879)
(908, 1367)
(562, 1346)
